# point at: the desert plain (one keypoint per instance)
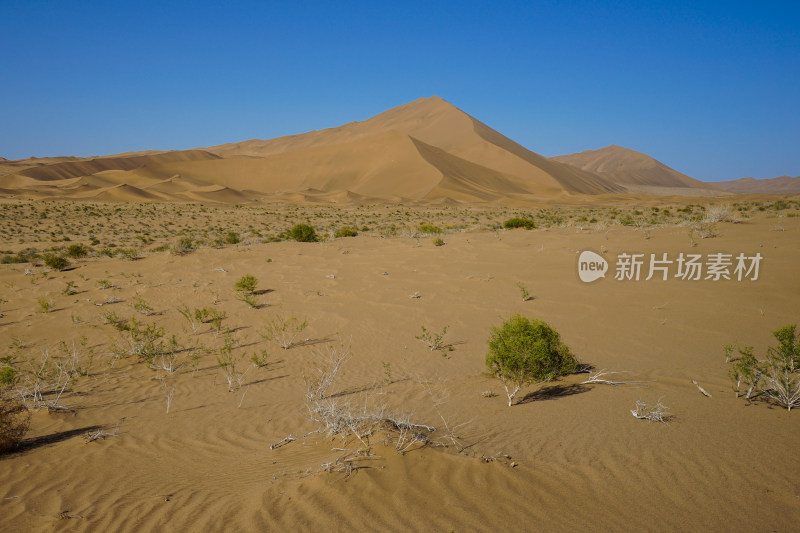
(188, 366)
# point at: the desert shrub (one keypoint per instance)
(77, 251)
(523, 351)
(131, 254)
(232, 237)
(345, 231)
(183, 246)
(247, 284)
(430, 229)
(14, 421)
(302, 233)
(519, 222)
(627, 220)
(777, 377)
(56, 262)
(438, 241)
(12, 259)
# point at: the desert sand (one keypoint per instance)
(182, 452)
(164, 399)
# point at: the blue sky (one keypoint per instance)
(712, 89)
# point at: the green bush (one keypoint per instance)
(302, 233)
(524, 351)
(438, 241)
(518, 222)
(183, 246)
(77, 251)
(430, 229)
(246, 283)
(345, 231)
(232, 238)
(56, 262)
(777, 377)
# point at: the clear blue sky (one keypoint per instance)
(712, 89)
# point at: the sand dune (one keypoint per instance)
(437, 123)
(636, 171)
(424, 151)
(779, 185)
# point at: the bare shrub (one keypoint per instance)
(720, 213)
(656, 413)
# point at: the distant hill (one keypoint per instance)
(779, 185)
(637, 172)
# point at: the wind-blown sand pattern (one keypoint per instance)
(576, 457)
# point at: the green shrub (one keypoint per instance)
(8, 376)
(524, 351)
(56, 262)
(232, 238)
(518, 222)
(246, 283)
(11, 259)
(183, 246)
(777, 377)
(438, 241)
(345, 231)
(302, 233)
(77, 251)
(429, 229)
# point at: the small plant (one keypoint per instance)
(130, 254)
(14, 421)
(76, 251)
(230, 364)
(523, 292)
(246, 284)
(104, 284)
(346, 231)
(250, 299)
(283, 330)
(434, 341)
(387, 373)
(260, 359)
(429, 229)
(183, 246)
(438, 241)
(519, 222)
(232, 237)
(523, 351)
(45, 305)
(302, 233)
(142, 307)
(56, 262)
(70, 289)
